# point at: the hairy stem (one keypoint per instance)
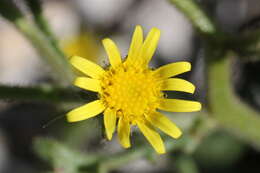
(196, 15)
(58, 63)
(41, 40)
(40, 93)
(41, 22)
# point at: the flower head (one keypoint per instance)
(130, 92)
(83, 44)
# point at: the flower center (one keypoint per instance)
(130, 91)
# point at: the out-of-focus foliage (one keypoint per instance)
(217, 137)
(84, 45)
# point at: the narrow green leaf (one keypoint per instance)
(230, 112)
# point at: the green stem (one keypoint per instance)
(40, 93)
(58, 63)
(44, 45)
(44, 26)
(9, 10)
(196, 15)
(36, 9)
(233, 115)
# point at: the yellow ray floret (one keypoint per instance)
(136, 45)
(130, 92)
(112, 52)
(86, 111)
(163, 123)
(124, 132)
(88, 84)
(110, 122)
(175, 84)
(87, 67)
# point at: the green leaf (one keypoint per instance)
(61, 156)
(186, 164)
(231, 113)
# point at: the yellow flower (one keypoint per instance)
(84, 45)
(130, 92)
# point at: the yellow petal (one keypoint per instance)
(89, 68)
(86, 111)
(112, 52)
(178, 105)
(173, 69)
(124, 133)
(110, 122)
(136, 44)
(176, 84)
(150, 45)
(153, 137)
(88, 84)
(163, 123)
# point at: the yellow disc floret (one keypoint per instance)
(132, 92)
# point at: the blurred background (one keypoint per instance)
(79, 26)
